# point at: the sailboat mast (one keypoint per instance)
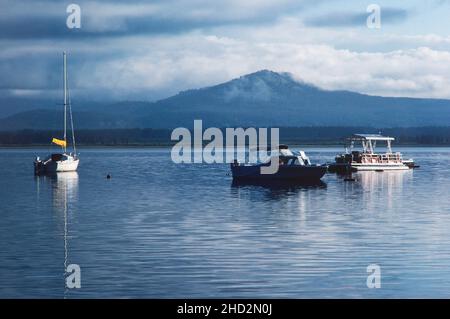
(65, 100)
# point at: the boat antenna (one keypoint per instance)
(65, 101)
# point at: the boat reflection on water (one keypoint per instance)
(385, 187)
(276, 190)
(279, 184)
(372, 180)
(64, 190)
(386, 180)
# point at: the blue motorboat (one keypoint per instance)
(292, 167)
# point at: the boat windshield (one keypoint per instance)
(290, 160)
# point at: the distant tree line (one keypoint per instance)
(333, 135)
(289, 135)
(89, 137)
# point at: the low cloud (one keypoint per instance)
(160, 68)
(387, 73)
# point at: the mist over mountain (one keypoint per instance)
(260, 99)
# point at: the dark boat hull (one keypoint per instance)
(340, 168)
(285, 173)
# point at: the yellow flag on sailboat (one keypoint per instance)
(61, 143)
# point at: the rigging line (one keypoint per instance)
(71, 121)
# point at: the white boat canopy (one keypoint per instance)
(370, 137)
(369, 141)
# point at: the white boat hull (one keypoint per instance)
(50, 166)
(64, 166)
(380, 166)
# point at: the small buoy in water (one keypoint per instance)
(108, 176)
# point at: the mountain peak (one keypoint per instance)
(263, 85)
(276, 79)
(264, 72)
(268, 75)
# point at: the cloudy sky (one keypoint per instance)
(146, 50)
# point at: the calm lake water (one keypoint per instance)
(158, 229)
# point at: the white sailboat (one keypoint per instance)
(63, 161)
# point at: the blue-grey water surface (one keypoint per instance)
(159, 229)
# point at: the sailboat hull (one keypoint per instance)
(55, 166)
(65, 166)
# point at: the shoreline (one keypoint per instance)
(296, 145)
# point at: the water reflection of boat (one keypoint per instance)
(279, 184)
(276, 190)
(375, 188)
(292, 167)
(375, 181)
(64, 188)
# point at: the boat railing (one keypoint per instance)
(391, 157)
(381, 158)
